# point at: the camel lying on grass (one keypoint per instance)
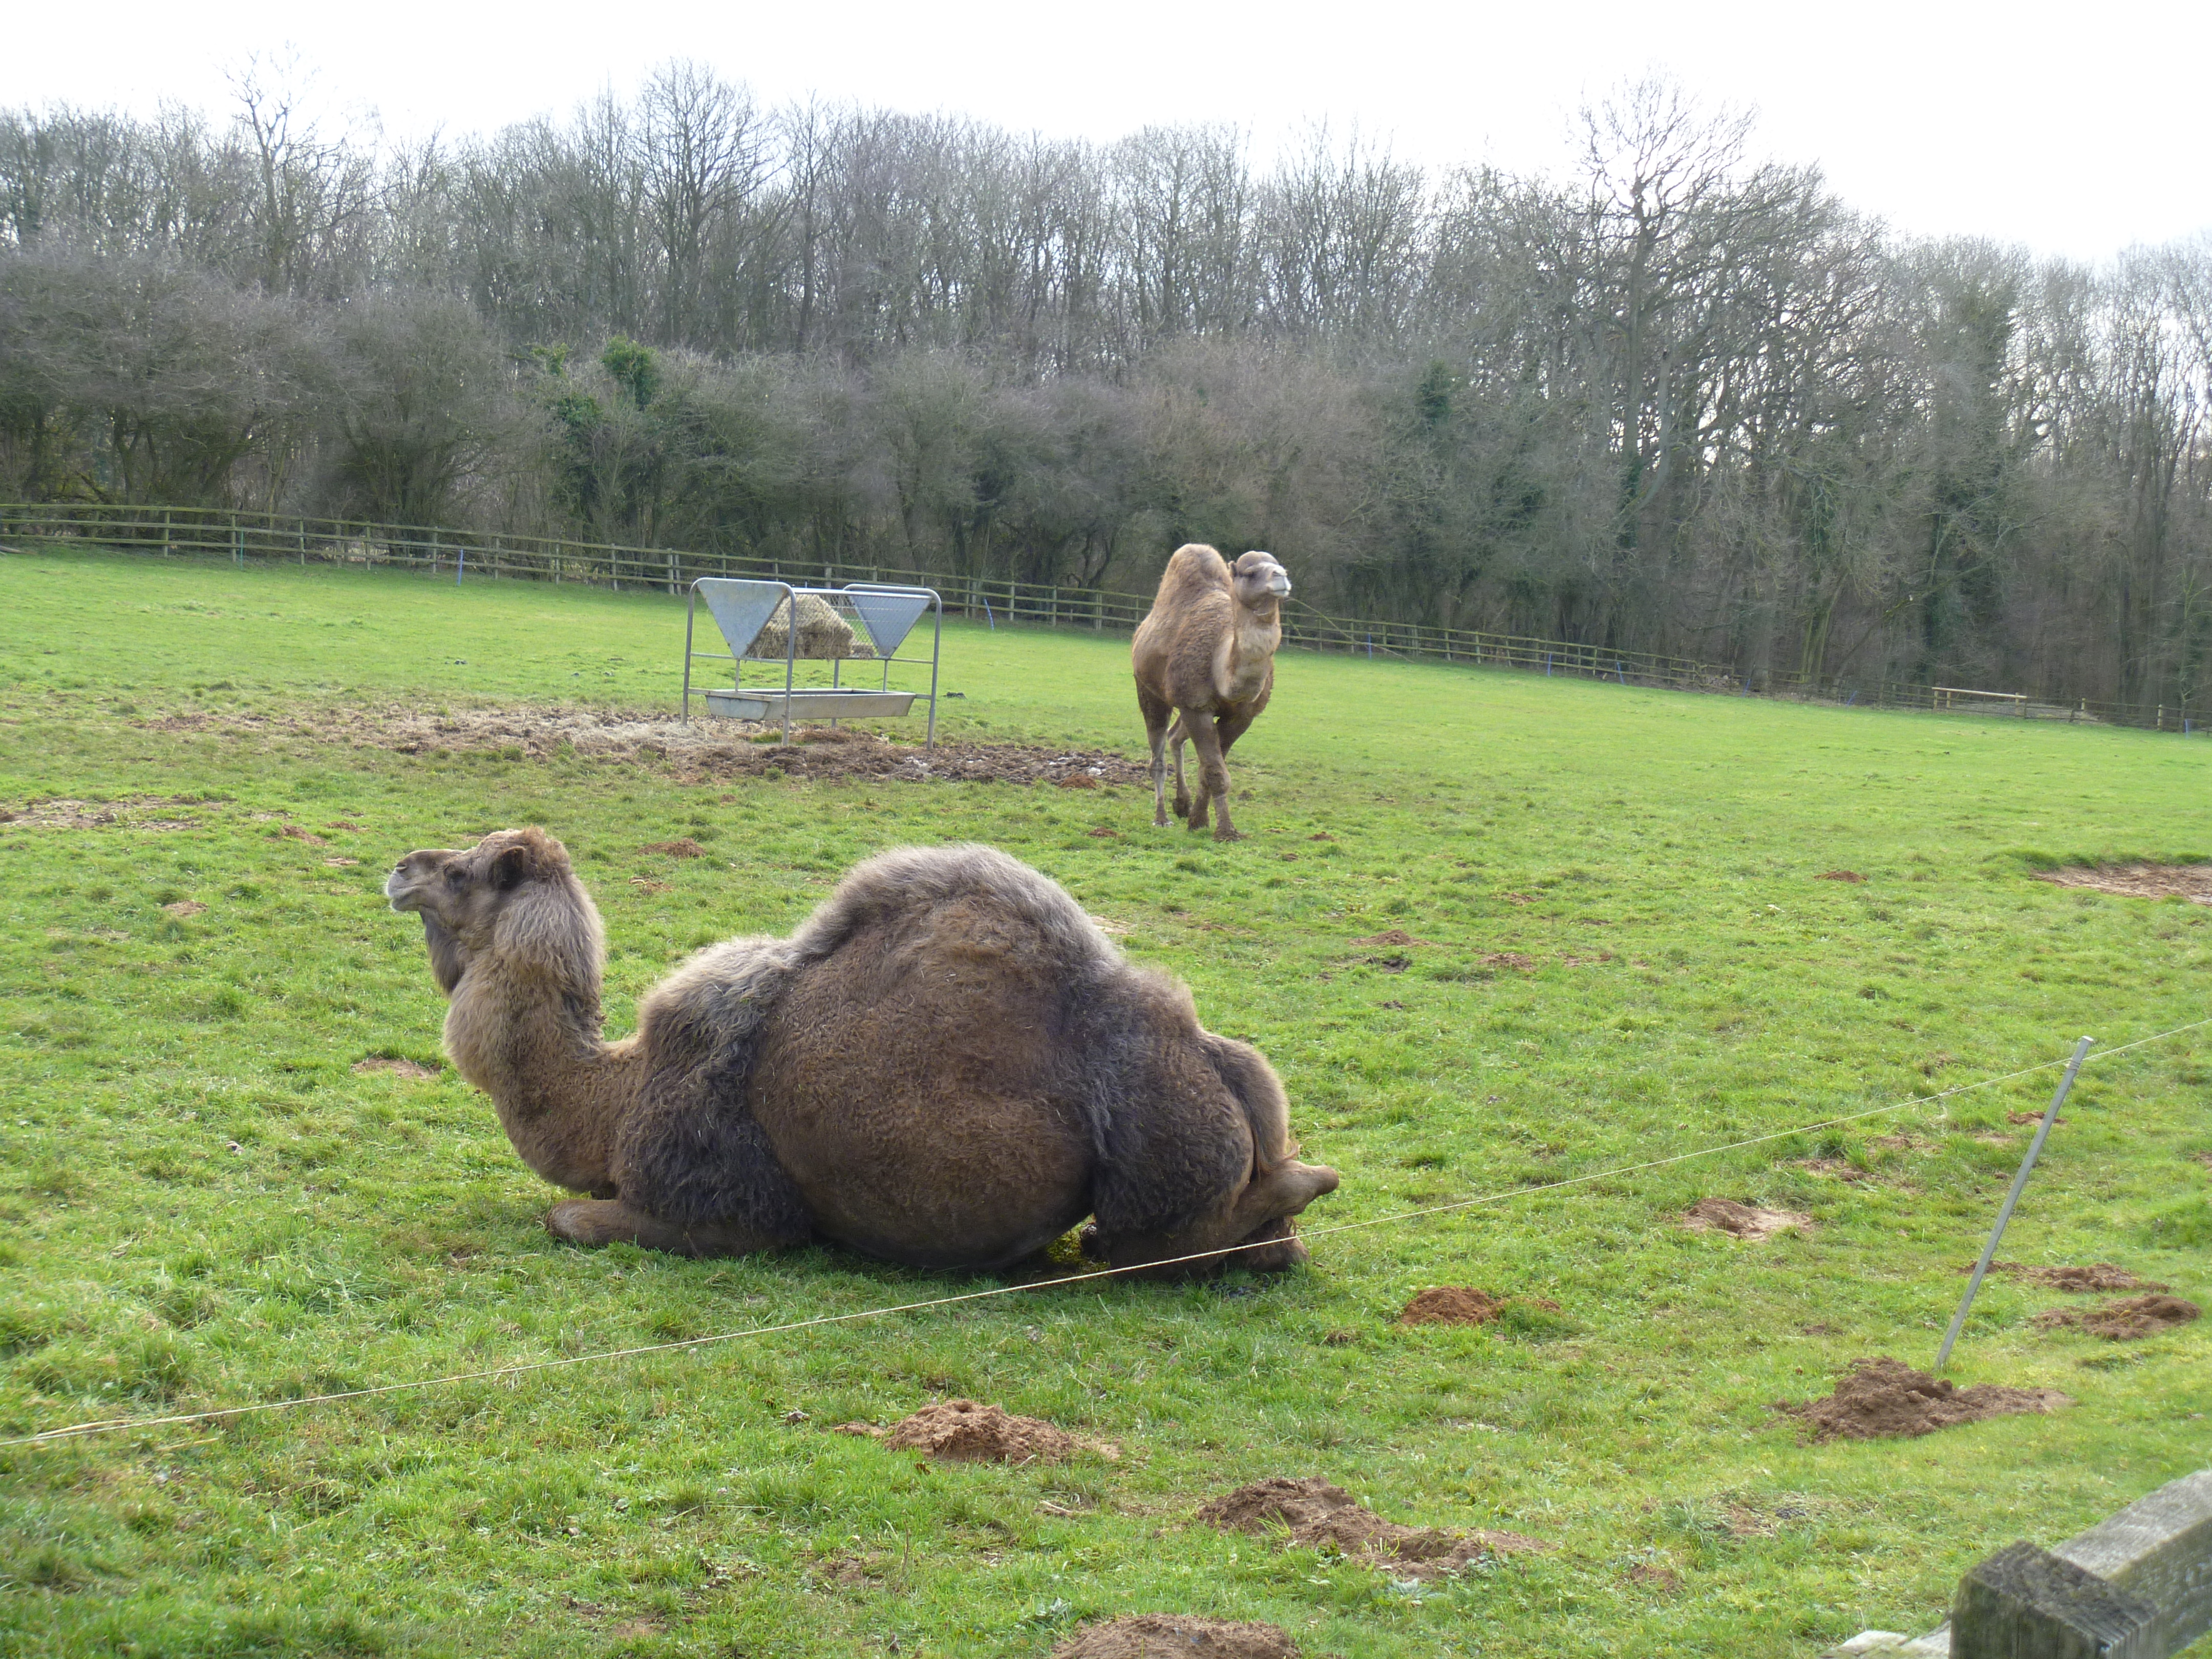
(948, 1065)
(1205, 655)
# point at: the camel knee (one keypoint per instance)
(597, 1221)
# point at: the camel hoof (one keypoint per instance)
(1092, 1244)
(1224, 833)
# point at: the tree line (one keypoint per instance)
(1673, 399)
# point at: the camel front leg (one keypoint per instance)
(1212, 777)
(608, 1221)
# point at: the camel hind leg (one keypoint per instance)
(1157, 713)
(1177, 738)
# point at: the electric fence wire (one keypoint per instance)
(127, 1425)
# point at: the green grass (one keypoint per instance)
(201, 1203)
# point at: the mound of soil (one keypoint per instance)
(2123, 1321)
(1390, 936)
(685, 848)
(401, 1068)
(1742, 1220)
(1851, 876)
(707, 747)
(1880, 1398)
(1166, 1635)
(1319, 1516)
(187, 908)
(961, 1431)
(2190, 881)
(1458, 1305)
(2097, 1276)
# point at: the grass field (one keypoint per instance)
(204, 1204)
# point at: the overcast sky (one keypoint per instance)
(2075, 130)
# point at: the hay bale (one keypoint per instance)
(822, 633)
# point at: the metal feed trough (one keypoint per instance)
(773, 623)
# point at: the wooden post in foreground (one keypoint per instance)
(2138, 1586)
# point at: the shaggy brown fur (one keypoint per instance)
(1204, 656)
(947, 1065)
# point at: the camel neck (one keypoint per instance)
(530, 1039)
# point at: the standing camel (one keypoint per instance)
(1205, 657)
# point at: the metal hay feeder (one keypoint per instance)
(863, 622)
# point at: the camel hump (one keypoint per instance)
(1191, 569)
(917, 882)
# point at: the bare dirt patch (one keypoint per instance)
(1881, 1399)
(2123, 1321)
(187, 908)
(1851, 876)
(707, 747)
(1665, 1580)
(1835, 1167)
(2097, 1276)
(1390, 936)
(1160, 1635)
(1458, 1305)
(685, 848)
(57, 813)
(1509, 959)
(961, 1431)
(2018, 1118)
(2190, 881)
(1319, 1516)
(408, 1069)
(1748, 1221)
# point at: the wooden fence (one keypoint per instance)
(2137, 1586)
(262, 538)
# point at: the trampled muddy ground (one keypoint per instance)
(1879, 1399)
(705, 747)
(2190, 881)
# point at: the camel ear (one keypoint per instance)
(512, 868)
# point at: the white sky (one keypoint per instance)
(2075, 130)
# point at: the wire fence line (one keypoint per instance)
(270, 538)
(129, 1425)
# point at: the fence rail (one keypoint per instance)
(180, 532)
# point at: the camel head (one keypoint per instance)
(1261, 583)
(512, 894)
